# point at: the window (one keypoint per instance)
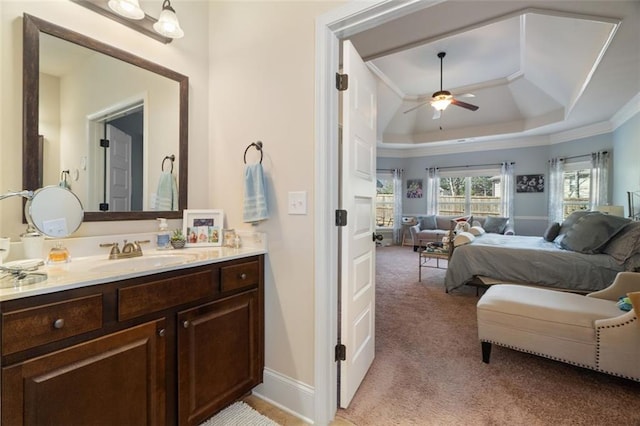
(385, 200)
(476, 193)
(576, 187)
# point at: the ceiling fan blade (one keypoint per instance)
(464, 105)
(416, 107)
(436, 114)
(465, 95)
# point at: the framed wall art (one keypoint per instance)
(203, 228)
(530, 183)
(414, 188)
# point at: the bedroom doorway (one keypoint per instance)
(331, 28)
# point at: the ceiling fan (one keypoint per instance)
(441, 99)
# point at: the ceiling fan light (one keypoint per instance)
(441, 102)
(168, 24)
(127, 8)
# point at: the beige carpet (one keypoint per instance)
(428, 368)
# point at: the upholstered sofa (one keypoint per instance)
(588, 331)
(432, 228)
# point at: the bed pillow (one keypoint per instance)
(571, 220)
(476, 230)
(551, 232)
(463, 238)
(591, 232)
(625, 244)
(495, 225)
(428, 222)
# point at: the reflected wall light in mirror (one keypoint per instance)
(164, 122)
(129, 13)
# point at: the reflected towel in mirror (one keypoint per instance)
(166, 196)
(255, 197)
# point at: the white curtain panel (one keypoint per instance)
(507, 189)
(397, 206)
(433, 189)
(556, 190)
(599, 179)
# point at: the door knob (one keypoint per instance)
(377, 237)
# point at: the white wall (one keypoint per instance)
(187, 56)
(262, 88)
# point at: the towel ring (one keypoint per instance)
(168, 157)
(258, 146)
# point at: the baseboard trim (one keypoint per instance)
(292, 396)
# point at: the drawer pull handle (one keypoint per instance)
(243, 276)
(59, 323)
(185, 324)
(161, 332)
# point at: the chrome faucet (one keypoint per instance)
(128, 249)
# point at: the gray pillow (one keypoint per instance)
(428, 222)
(625, 244)
(591, 232)
(551, 232)
(495, 224)
(572, 219)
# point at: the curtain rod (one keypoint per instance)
(580, 156)
(388, 170)
(466, 166)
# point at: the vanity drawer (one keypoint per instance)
(236, 277)
(36, 326)
(165, 293)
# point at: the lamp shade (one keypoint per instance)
(168, 24)
(612, 210)
(127, 8)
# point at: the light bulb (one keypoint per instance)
(127, 8)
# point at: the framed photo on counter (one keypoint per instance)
(203, 228)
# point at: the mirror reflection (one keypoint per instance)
(105, 123)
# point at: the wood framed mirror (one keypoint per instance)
(37, 32)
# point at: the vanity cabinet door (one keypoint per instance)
(117, 379)
(220, 355)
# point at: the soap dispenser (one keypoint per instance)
(163, 239)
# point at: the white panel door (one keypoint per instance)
(358, 195)
(119, 170)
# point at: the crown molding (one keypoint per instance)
(625, 113)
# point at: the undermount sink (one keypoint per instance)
(144, 262)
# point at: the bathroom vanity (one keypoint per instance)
(111, 345)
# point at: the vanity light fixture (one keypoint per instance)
(168, 24)
(127, 8)
(129, 13)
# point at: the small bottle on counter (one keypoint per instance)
(163, 238)
(236, 242)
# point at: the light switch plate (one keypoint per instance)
(297, 202)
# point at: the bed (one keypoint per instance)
(534, 260)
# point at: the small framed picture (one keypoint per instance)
(203, 228)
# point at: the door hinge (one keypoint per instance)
(342, 82)
(341, 218)
(341, 352)
(104, 143)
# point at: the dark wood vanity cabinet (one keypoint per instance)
(170, 348)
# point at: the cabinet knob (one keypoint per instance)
(185, 324)
(243, 276)
(161, 332)
(59, 323)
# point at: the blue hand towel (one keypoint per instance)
(166, 196)
(255, 197)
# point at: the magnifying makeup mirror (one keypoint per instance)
(54, 211)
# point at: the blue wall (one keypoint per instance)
(531, 208)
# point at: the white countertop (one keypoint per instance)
(98, 269)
